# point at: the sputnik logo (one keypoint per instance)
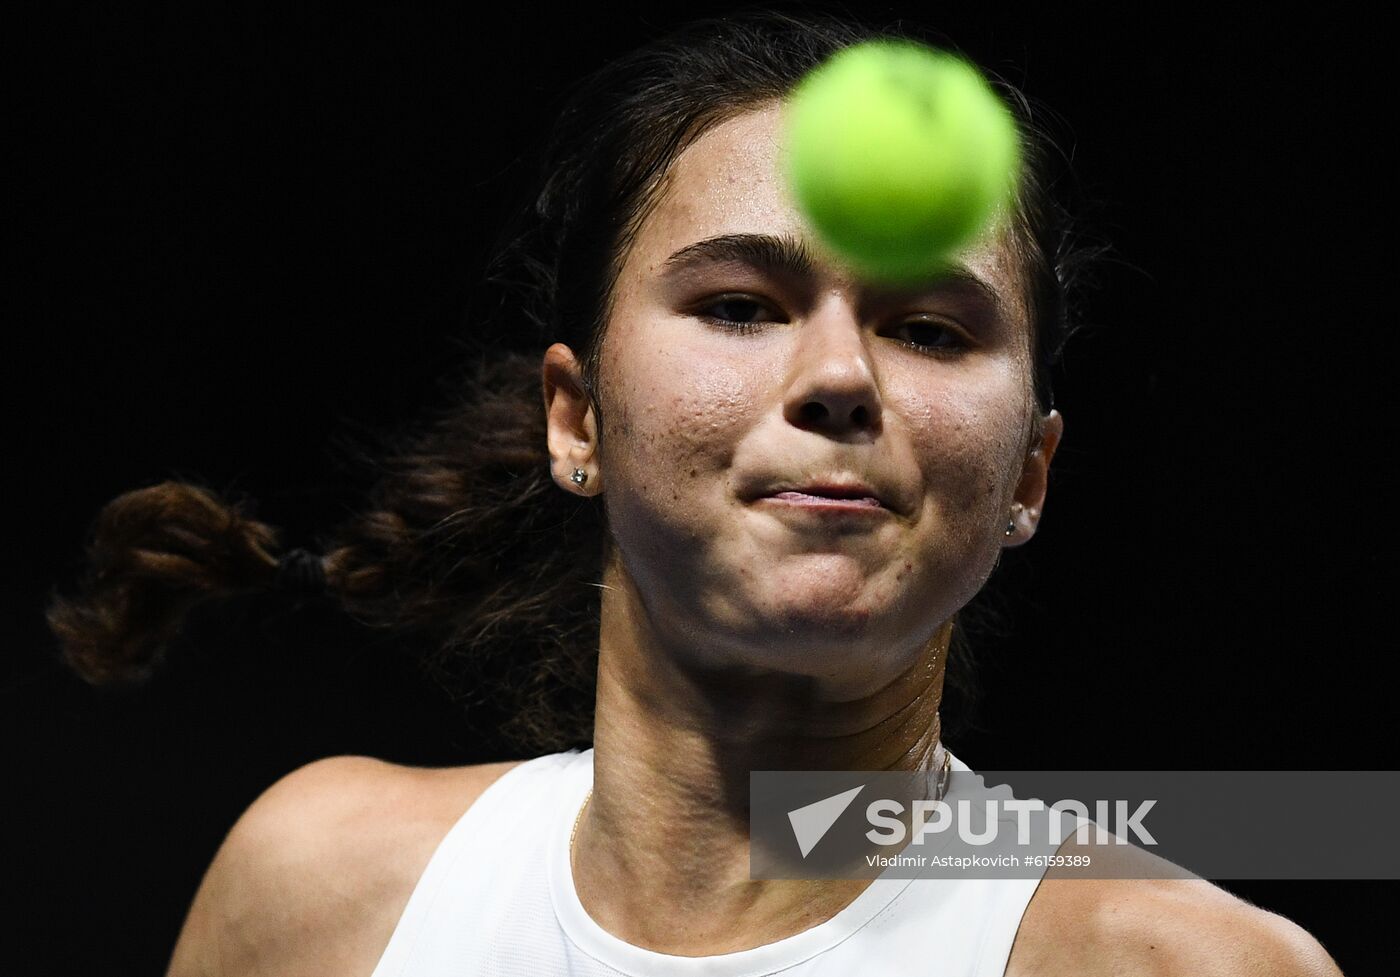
(811, 823)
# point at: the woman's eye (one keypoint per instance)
(735, 312)
(926, 335)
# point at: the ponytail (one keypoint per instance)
(154, 554)
(467, 554)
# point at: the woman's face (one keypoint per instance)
(725, 379)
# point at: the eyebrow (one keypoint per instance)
(767, 252)
(788, 256)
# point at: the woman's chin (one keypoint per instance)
(812, 620)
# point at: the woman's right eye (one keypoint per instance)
(742, 307)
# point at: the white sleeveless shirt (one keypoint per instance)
(497, 899)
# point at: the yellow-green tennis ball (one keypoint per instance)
(898, 155)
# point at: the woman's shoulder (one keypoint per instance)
(1158, 926)
(314, 875)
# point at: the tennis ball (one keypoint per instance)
(898, 155)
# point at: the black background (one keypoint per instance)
(239, 230)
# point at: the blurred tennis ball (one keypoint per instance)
(898, 155)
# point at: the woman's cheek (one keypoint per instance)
(675, 438)
(968, 444)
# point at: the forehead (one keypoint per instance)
(729, 181)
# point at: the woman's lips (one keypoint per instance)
(826, 502)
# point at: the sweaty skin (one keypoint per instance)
(739, 633)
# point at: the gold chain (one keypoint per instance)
(574, 833)
(943, 771)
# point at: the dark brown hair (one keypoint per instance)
(467, 548)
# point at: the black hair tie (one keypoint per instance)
(300, 572)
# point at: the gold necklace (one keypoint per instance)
(939, 790)
(944, 769)
(577, 819)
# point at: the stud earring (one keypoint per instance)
(579, 476)
(1011, 523)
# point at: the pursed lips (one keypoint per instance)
(856, 497)
(807, 498)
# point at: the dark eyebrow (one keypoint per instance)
(958, 279)
(790, 257)
(767, 252)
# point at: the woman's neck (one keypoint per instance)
(661, 854)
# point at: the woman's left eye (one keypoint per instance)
(737, 304)
(929, 335)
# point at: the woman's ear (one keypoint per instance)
(1028, 502)
(570, 421)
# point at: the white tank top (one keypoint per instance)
(497, 899)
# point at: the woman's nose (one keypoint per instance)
(832, 384)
